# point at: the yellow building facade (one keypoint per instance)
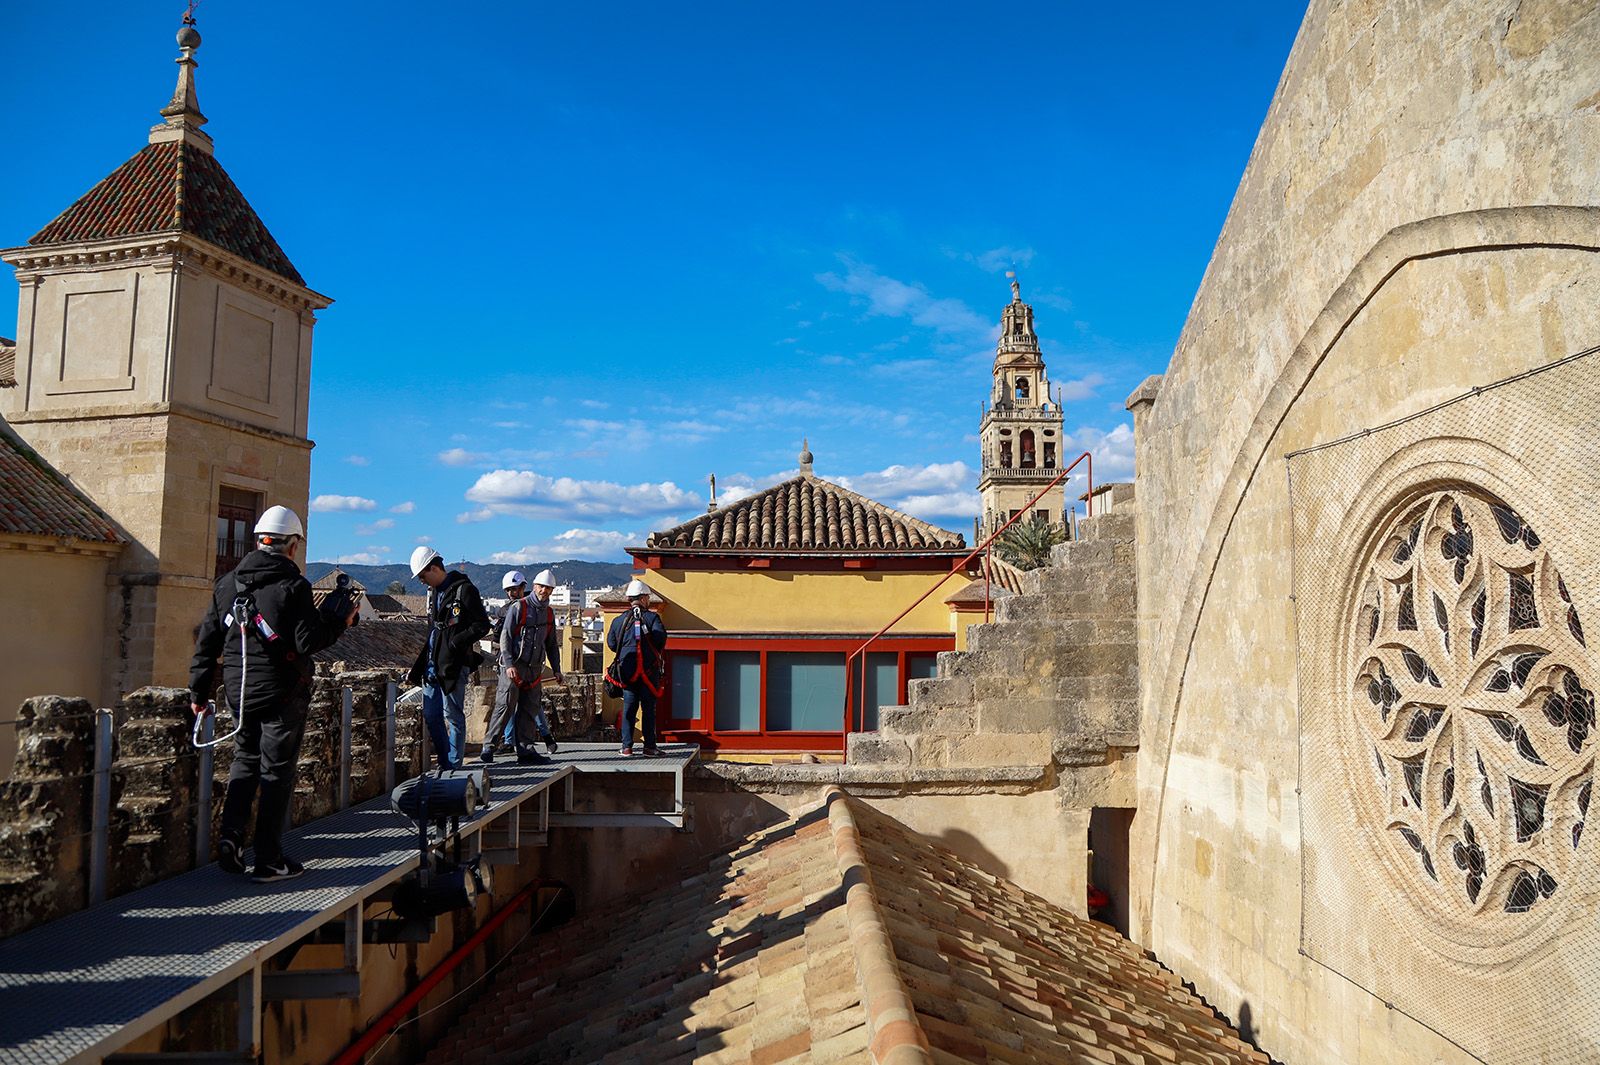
(769, 604)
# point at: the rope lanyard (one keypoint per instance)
(239, 615)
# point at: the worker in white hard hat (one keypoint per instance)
(264, 626)
(528, 638)
(456, 622)
(639, 639)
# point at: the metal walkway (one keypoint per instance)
(80, 988)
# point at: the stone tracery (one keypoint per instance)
(1471, 678)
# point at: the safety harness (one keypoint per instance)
(247, 617)
(639, 672)
(516, 637)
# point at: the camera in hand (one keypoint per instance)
(342, 600)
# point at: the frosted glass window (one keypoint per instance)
(882, 687)
(688, 677)
(738, 691)
(805, 691)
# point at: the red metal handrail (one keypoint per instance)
(860, 652)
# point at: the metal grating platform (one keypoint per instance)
(82, 987)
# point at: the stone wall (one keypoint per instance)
(1052, 681)
(45, 826)
(1418, 218)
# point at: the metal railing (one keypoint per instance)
(855, 664)
(105, 764)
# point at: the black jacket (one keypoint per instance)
(621, 639)
(456, 621)
(273, 670)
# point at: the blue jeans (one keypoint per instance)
(444, 711)
(634, 699)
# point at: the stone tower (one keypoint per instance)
(1021, 429)
(163, 365)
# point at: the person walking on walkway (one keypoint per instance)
(263, 624)
(456, 621)
(639, 639)
(528, 638)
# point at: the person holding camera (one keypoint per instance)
(639, 639)
(456, 621)
(528, 638)
(264, 626)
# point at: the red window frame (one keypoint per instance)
(702, 729)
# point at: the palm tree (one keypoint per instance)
(1027, 544)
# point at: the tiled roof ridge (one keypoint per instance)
(785, 518)
(895, 1037)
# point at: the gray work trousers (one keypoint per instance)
(518, 719)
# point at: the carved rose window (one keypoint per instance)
(1472, 680)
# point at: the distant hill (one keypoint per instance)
(577, 573)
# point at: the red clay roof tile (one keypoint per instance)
(165, 187)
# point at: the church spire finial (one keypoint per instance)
(806, 457)
(1016, 289)
(183, 110)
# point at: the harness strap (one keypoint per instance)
(638, 663)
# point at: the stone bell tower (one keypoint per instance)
(163, 365)
(1020, 433)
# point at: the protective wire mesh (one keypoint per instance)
(1447, 582)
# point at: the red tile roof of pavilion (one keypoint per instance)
(805, 515)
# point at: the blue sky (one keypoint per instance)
(585, 255)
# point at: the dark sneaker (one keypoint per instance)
(652, 752)
(285, 868)
(626, 752)
(550, 745)
(530, 757)
(230, 855)
(487, 754)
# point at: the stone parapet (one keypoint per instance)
(46, 808)
(1052, 682)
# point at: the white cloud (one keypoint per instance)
(527, 494)
(467, 517)
(1080, 388)
(887, 297)
(937, 492)
(424, 539)
(403, 508)
(1113, 451)
(592, 544)
(334, 504)
(1004, 258)
(361, 558)
(358, 460)
(460, 456)
(368, 530)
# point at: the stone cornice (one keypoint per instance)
(171, 247)
(155, 410)
(60, 545)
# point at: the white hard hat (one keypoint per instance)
(513, 578)
(545, 578)
(279, 521)
(422, 558)
(636, 587)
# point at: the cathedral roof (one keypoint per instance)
(839, 935)
(806, 515)
(35, 500)
(166, 187)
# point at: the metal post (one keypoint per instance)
(346, 709)
(202, 816)
(390, 695)
(100, 823)
(248, 1025)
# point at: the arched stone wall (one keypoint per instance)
(1419, 218)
